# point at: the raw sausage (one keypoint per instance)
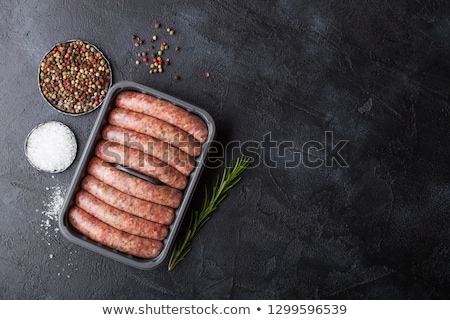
(154, 147)
(113, 238)
(120, 219)
(165, 111)
(138, 160)
(125, 182)
(156, 128)
(122, 201)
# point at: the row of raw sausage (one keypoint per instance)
(155, 138)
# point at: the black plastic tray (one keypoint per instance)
(76, 237)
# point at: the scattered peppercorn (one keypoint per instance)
(176, 77)
(156, 63)
(74, 77)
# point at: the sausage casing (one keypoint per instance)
(119, 219)
(122, 201)
(158, 149)
(156, 128)
(111, 237)
(142, 162)
(165, 111)
(125, 182)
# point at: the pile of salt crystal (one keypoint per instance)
(51, 147)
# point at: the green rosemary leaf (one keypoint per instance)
(228, 179)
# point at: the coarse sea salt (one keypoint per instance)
(51, 147)
(50, 231)
(52, 208)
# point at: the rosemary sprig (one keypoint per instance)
(229, 178)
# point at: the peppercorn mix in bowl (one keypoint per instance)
(74, 77)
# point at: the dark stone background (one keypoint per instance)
(375, 73)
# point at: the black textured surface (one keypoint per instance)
(375, 73)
